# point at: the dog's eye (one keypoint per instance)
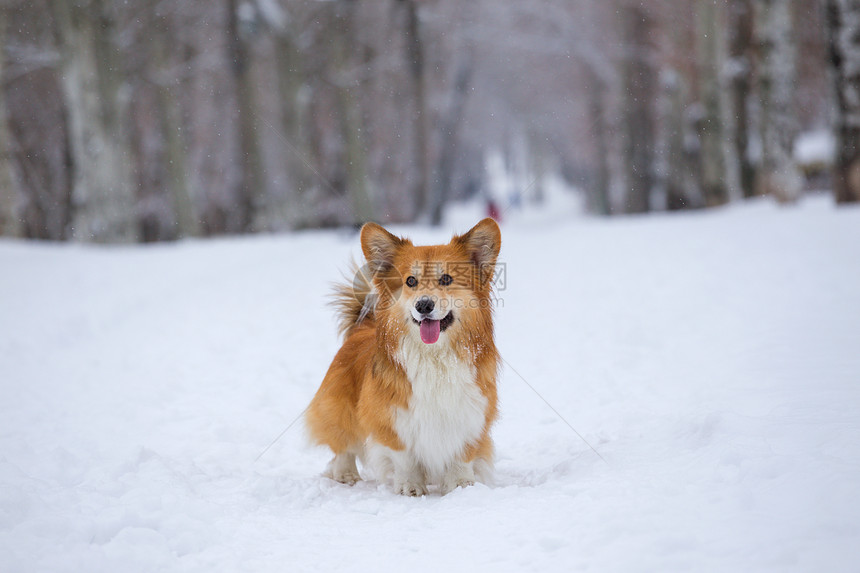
(411, 282)
(445, 280)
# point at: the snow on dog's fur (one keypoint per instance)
(412, 390)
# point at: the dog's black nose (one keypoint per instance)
(425, 305)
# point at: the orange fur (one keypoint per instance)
(367, 385)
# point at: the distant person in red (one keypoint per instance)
(493, 211)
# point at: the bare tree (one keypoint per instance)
(104, 207)
(294, 92)
(740, 26)
(680, 164)
(711, 124)
(170, 64)
(240, 30)
(843, 17)
(449, 133)
(9, 222)
(639, 89)
(38, 126)
(159, 119)
(415, 61)
(778, 175)
(155, 61)
(598, 91)
(348, 102)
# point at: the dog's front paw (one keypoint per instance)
(410, 488)
(342, 469)
(460, 474)
(348, 477)
(450, 485)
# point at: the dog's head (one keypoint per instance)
(433, 291)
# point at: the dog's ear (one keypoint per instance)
(482, 242)
(379, 246)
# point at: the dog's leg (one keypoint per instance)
(409, 477)
(342, 469)
(458, 474)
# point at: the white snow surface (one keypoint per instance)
(712, 359)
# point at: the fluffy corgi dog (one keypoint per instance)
(412, 390)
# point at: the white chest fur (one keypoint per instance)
(446, 411)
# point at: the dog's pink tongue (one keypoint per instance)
(429, 331)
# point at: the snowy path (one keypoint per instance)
(713, 359)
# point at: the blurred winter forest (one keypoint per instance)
(150, 120)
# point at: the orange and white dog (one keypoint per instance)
(412, 391)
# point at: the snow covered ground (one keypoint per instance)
(712, 359)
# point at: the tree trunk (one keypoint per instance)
(741, 74)
(449, 131)
(294, 93)
(680, 169)
(598, 201)
(187, 220)
(415, 61)
(9, 217)
(777, 175)
(350, 113)
(251, 192)
(639, 78)
(711, 126)
(843, 20)
(349, 108)
(103, 196)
